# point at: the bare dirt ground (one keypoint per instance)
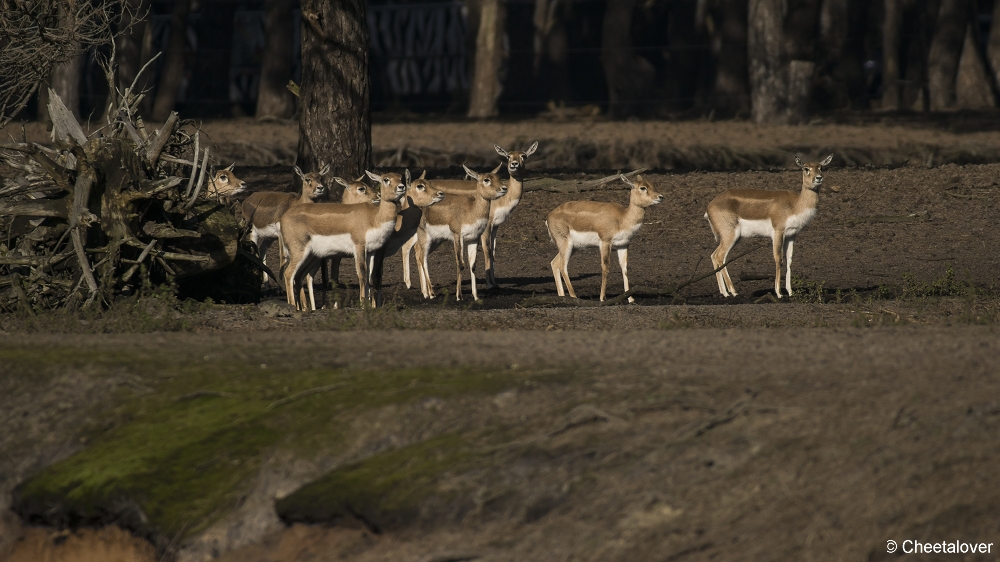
(685, 427)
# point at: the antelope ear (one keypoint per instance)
(798, 162)
(501, 151)
(325, 170)
(406, 174)
(531, 150)
(626, 180)
(423, 175)
(471, 174)
(827, 161)
(374, 176)
(298, 172)
(497, 169)
(342, 182)
(233, 165)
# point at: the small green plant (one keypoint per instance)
(808, 291)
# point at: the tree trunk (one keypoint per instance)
(489, 52)
(730, 45)
(973, 89)
(768, 70)
(945, 52)
(629, 76)
(891, 46)
(273, 98)
(210, 80)
(993, 44)
(128, 47)
(800, 80)
(335, 95)
(173, 66)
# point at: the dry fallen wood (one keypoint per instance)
(36, 208)
(108, 195)
(891, 219)
(553, 185)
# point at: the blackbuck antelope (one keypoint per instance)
(418, 197)
(500, 209)
(354, 192)
(462, 219)
(310, 233)
(263, 209)
(780, 215)
(609, 226)
(225, 183)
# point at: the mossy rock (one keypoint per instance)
(168, 463)
(389, 489)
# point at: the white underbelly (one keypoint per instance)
(622, 238)
(330, 245)
(269, 232)
(756, 228)
(472, 232)
(376, 237)
(796, 223)
(501, 214)
(584, 239)
(438, 231)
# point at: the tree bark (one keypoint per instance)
(335, 95)
(486, 87)
(993, 44)
(767, 67)
(945, 53)
(891, 46)
(972, 88)
(66, 82)
(273, 98)
(629, 76)
(173, 66)
(730, 46)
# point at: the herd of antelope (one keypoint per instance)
(419, 214)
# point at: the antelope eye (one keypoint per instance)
(487, 182)
(385, 181)
(223, 179)
(642, 189)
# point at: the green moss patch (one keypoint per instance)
(170, 460)
(384, 489)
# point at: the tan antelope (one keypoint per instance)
(225, 183)
(780, 215)
(263, 209)
(609, 226)
(500, 209)
(418, 196)
(310, 233)
(356, 191)
(462, 219)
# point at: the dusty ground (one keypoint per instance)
(688, 428)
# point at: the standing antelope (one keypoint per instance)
(500, 209)
(462, 219)
(780, 215)
(263, 209)
(609, 226)
(418, 196)
(310, 233)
